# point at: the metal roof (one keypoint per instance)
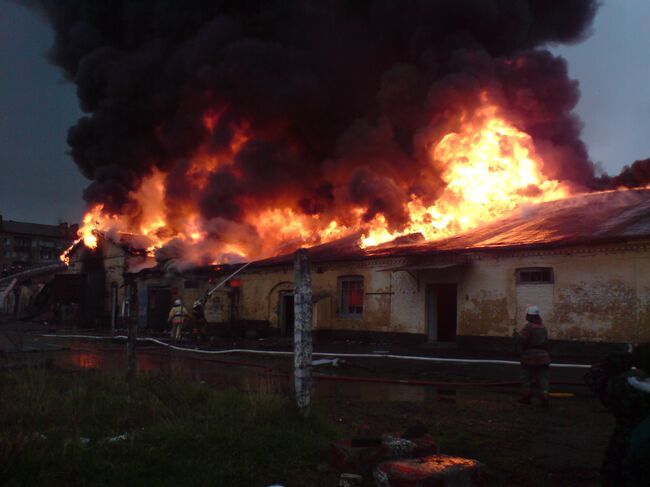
(589, 218)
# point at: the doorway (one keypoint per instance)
(159, 301)
(286, 314)
(440, 312)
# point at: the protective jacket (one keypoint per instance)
(533, 338)
(177, 315)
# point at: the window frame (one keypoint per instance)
(340, 298)
(542, 270)
(22, 243)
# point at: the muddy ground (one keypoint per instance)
(520, 445)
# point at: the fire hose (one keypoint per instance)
(270, 371)
(199, 304)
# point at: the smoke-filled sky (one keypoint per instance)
(39, 181)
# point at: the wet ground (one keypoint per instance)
(471, 409)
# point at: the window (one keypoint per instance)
(190, 284)
(351, 296)
(535, 275)
(21, 242)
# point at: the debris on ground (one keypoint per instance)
(350, 480)
(362, 454)
(439, 470)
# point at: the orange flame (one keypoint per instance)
(489, 166)
(92, 222)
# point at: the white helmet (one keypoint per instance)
(177, 302)
(532, 310)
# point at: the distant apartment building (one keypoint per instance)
(24, 245)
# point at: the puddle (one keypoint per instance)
(255, 376)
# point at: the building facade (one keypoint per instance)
(25, 245)
(475, 299)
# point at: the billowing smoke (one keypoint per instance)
(316, 105)
(635, 175)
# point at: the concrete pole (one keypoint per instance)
(131, 358)
(113, 308)
(302, 340)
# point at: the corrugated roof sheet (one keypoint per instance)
(595, 217)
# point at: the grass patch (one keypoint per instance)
(57, 428)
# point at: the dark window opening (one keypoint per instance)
(21, 243)
(535, 275)
(351, 296)
(190, 284)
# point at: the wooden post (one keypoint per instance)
(302, 340)
(131, 358)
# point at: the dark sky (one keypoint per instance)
(40, 183)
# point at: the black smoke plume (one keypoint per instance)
(338, 98)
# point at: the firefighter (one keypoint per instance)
(620, 383)
(177, 317)
(535, 359)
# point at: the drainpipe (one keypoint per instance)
(302, 335)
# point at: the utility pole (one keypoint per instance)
(131, 360)
(302, 334)
(132, 340)
(113, 307)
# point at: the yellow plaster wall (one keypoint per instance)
(595, 296)
(260, 295)
(601, 295)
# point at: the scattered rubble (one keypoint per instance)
(350, 480)
(410, 459)
(438, 470)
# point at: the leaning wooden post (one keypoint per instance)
(302, 343)
(132, 340)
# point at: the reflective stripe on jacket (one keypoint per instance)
(177, 315)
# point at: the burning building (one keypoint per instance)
(94, 289)
(582, 260)
(225, 132)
